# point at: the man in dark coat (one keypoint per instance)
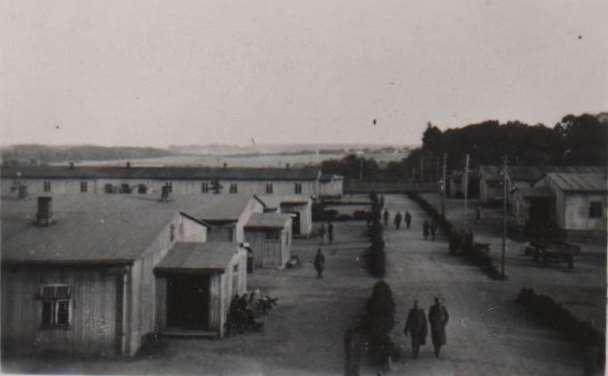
(416, 326)
(319, 263)
(433, 230)
(398, 218)
(330, 232)
(385, 217)
(425, 229)
(408, 219)
(438, 318)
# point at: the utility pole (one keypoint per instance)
(444, 186)
(421, 169)
(504, 217)
(466, 188)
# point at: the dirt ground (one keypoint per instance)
(488, 333)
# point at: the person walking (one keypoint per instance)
(425, 229)
(438, 318)
(408, 219)
(416, 326)
(386, 215)
(330, 232)
(319, 263)
(433, 228)
(398, 219)
(322, 233)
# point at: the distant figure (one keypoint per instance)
(385, 217)
(438, 318)
(425, 229)
(319, 263)
(408, 219)
(330, 232)
(322, 233)
(433, 230)
(398, 218)
(416, 326)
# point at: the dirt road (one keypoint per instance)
(488, 333)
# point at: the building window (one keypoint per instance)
(595, 210)
(142, 189)
(84, 187)
(170, 185)
(172, 232)
(273, 235)
(108, 188)
(55, 299)
(125, 188)
(204, 187)
(269, 188)
(234, 188)
(47, 186)
(298, 188)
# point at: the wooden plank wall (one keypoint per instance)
(93, 320)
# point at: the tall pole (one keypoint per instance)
(422, 169)
(466, 188)
(445, 182)
(504, 217)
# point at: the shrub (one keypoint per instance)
(379, 321)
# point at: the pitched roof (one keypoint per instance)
(188, 257)
(490, 172)
(268, 220)
(535, 173)
(164, 173)
(579, 182)
(532, 192)
(110, 235)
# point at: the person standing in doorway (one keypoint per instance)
(330, 232)
(438, 318)
(408, 219)
(322, 233)
(433, 228)
(416, 327)
(319, 263)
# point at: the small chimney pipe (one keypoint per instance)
(44, 216)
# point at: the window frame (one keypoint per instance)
(84, 186)
(56, 310)
(269, 188)
(205, 187)
(596, 209)
(234, 188)
(297, 188)
(46, 186)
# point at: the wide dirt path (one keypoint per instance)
(488, 333)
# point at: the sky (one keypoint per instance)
(158, 73)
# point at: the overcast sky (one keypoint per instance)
(193, 72)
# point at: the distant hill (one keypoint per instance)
(223, 149)
(35, 153)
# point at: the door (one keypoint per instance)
(188, 302)
(295, 223)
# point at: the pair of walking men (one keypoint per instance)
(416, 326)
(329, 231)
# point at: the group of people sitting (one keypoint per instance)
(245, 309)
(416, 326)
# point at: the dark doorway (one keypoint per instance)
(295, 223)
(542, 222)
(188, 301)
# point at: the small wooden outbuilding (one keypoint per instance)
(269, 236)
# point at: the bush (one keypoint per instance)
(379, 321)
(376, 257)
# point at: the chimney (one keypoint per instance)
(44, 216)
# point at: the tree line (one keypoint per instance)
(574, 140)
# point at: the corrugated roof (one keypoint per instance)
(579, 182)
(164, 173)
(268, 220)
(187, 257)
(80, 236)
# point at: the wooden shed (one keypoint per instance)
(269, 236)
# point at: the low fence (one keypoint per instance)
(364, 186)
